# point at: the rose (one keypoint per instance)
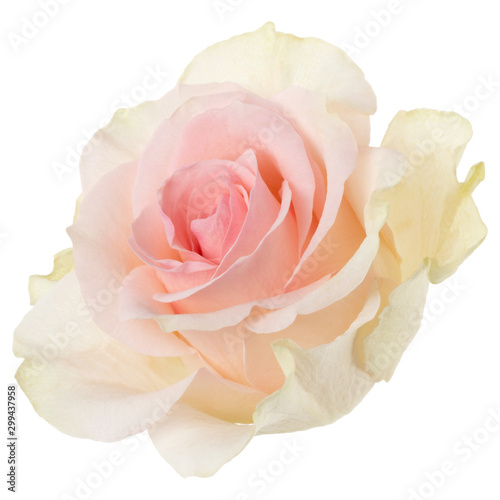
(241, 256)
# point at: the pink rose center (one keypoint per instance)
(203, 207)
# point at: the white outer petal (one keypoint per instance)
(197, 444)
(267, 62)
(322, 384)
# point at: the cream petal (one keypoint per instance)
(322, 383)
(81, 380)
(89, 385)
(40, 285)
(434, 215)
(358, 122)
(398, 321)
(221, 398)
(267, 62)
(197, 444)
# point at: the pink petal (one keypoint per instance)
(252, 277)
(103, 258)
(211, 231)
(155, 165)
(150, 243)
(149, 240)
(225, 127)
(332, 146)
(334, 251)
(263, 210)
(196, 192)
(321, 327)
(222, 350)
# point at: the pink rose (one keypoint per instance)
(242, 256)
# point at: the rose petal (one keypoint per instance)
(137, 292)
(216, 320)
(263, 210)
(197, 444)
(40, 285)
(376, 169)
(284, 309)
(81, 380)
(205, 204)
(220, 290)
(226, 130)
(193, 193)
(130, 130)
(283, 61)
(222, 398)
(262, 369)
(434, 215)
(379, 349)
(280, 245)
(106, 390)
(322, 384)
(334, 149)
(103, 258)
(150, 244)
(124, 138)
(223, 350)
(155, 162)
(149, 240)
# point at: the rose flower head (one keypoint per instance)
(243, 261)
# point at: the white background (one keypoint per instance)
(67, 80)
